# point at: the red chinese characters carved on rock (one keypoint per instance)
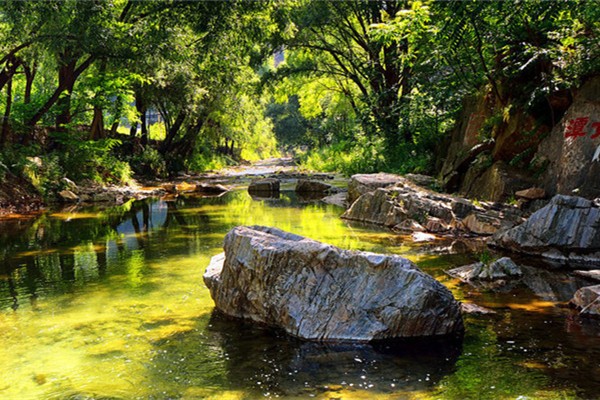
(576, 127)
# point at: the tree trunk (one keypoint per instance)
(59, 90)
(5, 121)
(113, 129)
(97, 128)
(66, 79)
(173, 130)
(141, 108)
(29, 77)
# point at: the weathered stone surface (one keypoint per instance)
(481, 224)
(393, 206)
(496, 183)
(409, 226)
(566, 229)
(319, 292)
(422, 237)
(593, 274)
(471, 308)
(436, 225)
(499, 269)
(567, 163)
(267, 185)
(363, 183)
(421, 180)
(587, 300)
(207, 188)
(461, 207)
(68, 196)
(531, 193)
(314, 186)
(390, 207)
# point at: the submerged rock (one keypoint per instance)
(319, 292)
(587, 300)
(568, 228)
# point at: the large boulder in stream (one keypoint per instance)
(568, 229)
(319, 292)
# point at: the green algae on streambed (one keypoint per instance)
(109, 303)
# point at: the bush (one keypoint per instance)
(90, 159)
(149, 163)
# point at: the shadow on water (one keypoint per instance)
(268, 362)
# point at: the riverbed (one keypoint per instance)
(108, 302)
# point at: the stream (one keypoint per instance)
(109, 303)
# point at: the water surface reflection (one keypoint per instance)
(109, 303)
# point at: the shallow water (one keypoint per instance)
(110, 303)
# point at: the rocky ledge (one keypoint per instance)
(407, 206)
(567, 229)
(319, 292)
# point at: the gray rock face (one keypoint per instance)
(393, 206)
(363, 183)
(499, 269)
(262, 186)
(568, 161)
(568, 228)
(587, 300)
(319, 292)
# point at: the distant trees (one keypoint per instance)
(71, 64)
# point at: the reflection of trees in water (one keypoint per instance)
(56, 253)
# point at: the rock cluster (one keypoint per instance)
(406, 206)
(89, 192)
(319, 292)
(568, 228)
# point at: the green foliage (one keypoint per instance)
(486, 258)
(44, 171)
(149, 163)
(208, 162)
(90, 159)
(346, 157)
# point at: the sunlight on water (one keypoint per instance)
(110, 303)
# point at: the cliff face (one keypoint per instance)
(569, 156)
(497, 149)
